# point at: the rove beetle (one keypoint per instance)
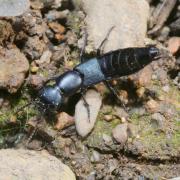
(102, 68)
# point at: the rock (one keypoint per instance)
(6, 32)
(143, 78)
(140, 92)
(54, 15)
(95, 156)
(164, 34)
(71, 38)
(132, 130)
(175, 26)
(13, 8)
(34, 68)
(36, 81)
(32, 23)
(91, 176)
(152, 106)
(108, 117)
(26, 164)
(174, 44)
(158, 121)
(54, 3)
(176, 178)
(120, 112)
(34, 48)
(57, 28)
(166, 88)
(112, 165)
(37, 4)
(129, 18)
(13, 68)
(63, 120)
(45, 58)
(84, 125)
(120, 133)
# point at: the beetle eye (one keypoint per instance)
(154, 52)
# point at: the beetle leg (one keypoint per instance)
(100, 48)
(113, 91)
(82, 59)
(86, 105)
(31, 135)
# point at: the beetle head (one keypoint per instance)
(50, 97)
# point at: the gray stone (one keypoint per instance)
(31, 165)
(158, 120)
(13, 7)
(129, 18)
(120, 133)
(85, 124)
(95, 156)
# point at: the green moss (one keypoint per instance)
(135, 119)
(176, 134)
(74, 22)
(16, 112)
(172, 96)
(158, 143)
(44, 73)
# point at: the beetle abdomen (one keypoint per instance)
(127, 61)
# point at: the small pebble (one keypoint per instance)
(60, 37)
(108, 117)
(34, 69)
(56, 27)
(95, 156)
(1, 102)
(53, 15)
(120, 112)
(45, 58)
(13, 119)
(166, 88)
(132, 130)
(37, 4)
(164, 34)
(63, 120)
(140, 91)
(120, 133)
(112, 165)
(152, 106)
(123, 95)
(161, 98)
(123, 120)
(144, 77)
(174, 44)
(91, 176)
(158, 120)
(36, 81)
(137, 136)
(107, 139)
